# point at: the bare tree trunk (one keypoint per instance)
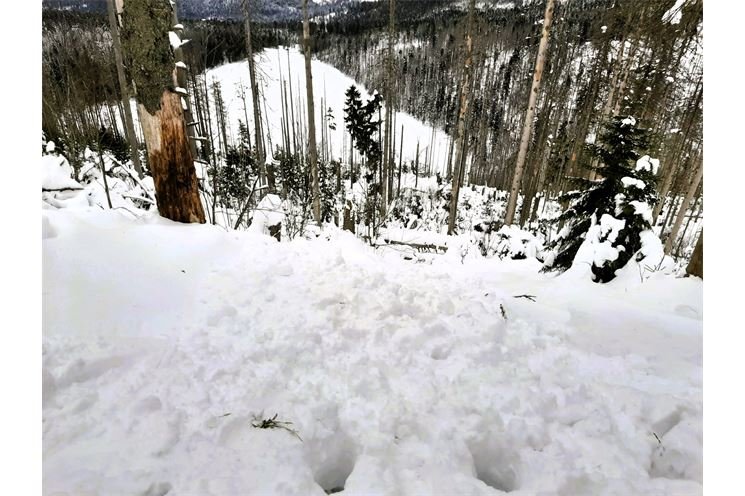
(528, 126)
(672, 167)
(416, 166)
(311, 118)
(696, 265)
(389, 104)
(460, 162)
(169, 155)
(144, 34)
(103, 173)
(400, 161)
(684, 206)
(129, 126)
(255, 101)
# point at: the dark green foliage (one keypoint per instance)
(621, 144)
(362, 124)
(235, 178)
(327, 180)
(147, 50)
(292, 174)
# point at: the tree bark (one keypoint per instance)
(684, 207)
(260, 154)
(129, 127)
(389, 105)
(144, 38)
(312, 153)
(528, 126)
(460, 162)
(696, 265)
(171, 162)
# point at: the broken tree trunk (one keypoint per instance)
(171, 163)
(146, 25)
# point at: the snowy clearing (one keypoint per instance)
(329, 85)
(163, 343)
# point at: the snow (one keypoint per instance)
(163, 342)
(597, 248)
(329, 84)
(610, 227)
(648, 163)
(181, 65)
(604, 28)
(674, 14)
(670, 79)
(630, 181)
(643, 209)
(56, 173)
(267, 213)
(628, 121)
(174, 39)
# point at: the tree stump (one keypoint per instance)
(348, 218)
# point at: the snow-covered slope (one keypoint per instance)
(329, 85)
(162, 342)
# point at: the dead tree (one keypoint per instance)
(465, 86)
(528, 126)
(129, 127)
(145, 41)
(312, 153)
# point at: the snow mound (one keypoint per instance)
(649, 164)
(268, 213)
(56, 174)
(165, 344)
(630, 181)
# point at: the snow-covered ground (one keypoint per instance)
(163, 343)
(329, 86)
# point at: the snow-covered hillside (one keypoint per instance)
(164, 343)
(329, 85)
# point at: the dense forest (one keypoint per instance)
(606, 57)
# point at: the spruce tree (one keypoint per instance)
(611, 212)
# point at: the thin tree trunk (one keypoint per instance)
(696, 265)
(311, 117)
(528, 126)
(389, 104)
(400, 162)
(103, 173)
(684, 206)
(461, 131)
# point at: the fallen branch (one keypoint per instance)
(273, 423)
(526, 296)
(418, 246)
